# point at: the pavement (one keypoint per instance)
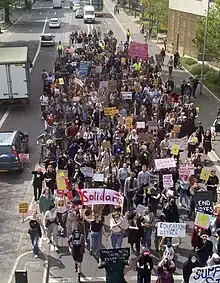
(15, 247)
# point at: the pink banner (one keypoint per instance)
(139, 50)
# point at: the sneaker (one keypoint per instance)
(36, 256)
(48, 241)
(56, 248)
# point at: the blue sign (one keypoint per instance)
(83, 68)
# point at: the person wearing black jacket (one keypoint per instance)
(205, 249)
(171, 211)
(144, 267)
(38, 178)
(188, 266)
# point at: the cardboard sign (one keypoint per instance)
(128, 122)
(175, 149)
(186, 169)
(146, 137)
(167, 180)
(24, 157)
(110, 111)
(213, 274)
(95, 196)
(61, 81)
(138, 50)
(162, 163)
(23, 207)
(166, 229)
(126, 95)
(83, 68)
(204, 174)
(111, 255)
(106, 144)
(112, 85)
(181, 142)
(62, 176)
(140, 125)
(141, 208)
(87, 171)
(98, 177)
(203, 202)
(202, 220)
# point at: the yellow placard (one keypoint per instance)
(62, 175)
(23, 207)
(112, 111)
(175, 149)
(202, 220)
(148, 191)
(128, 122)
(61, 81)
(204, 174)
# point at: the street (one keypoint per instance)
(15, 188)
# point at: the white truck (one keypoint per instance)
(14, 75)
(57, 4)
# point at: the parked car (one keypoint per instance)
(79, 13)
(76, 6)
(47, 39)
(12, 144)
(54, 23)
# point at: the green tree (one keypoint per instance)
(6, 4)
(213, 36)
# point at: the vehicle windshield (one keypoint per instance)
(54, 21)
(89, 13)
(46, 37)
(5, 150)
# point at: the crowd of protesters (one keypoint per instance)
(120, 117)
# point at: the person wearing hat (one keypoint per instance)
(144, 267)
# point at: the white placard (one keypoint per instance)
(213, 274)
(87, 171)
(100, 196)
(186, 169)
(140, 125)
(165, 163)
(181, 142)
(152, 126)
(167, 180)
(98, 177)
(166, 229)
(126, 95)
(141, 208)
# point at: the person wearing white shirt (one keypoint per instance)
(116, 230)
(50, 224)
(143, 177)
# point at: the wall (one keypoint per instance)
(196, 7)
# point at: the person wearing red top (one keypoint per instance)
(49, 123)
(71, 131)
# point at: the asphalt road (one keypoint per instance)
(14, 187)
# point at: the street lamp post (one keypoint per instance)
(204, 46)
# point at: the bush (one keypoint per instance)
(188, 61)
(195, 69)
(212, 76)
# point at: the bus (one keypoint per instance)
(98, 5)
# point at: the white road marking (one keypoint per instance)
(5, 116)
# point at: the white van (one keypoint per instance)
(57, 4)
(89, 14)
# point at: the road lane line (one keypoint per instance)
(5, 116)
(39, 46)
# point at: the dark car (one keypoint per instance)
(12, 144)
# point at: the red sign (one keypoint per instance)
(139, 50)
(24, 157)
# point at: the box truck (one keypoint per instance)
(57, 4)
(14, 75)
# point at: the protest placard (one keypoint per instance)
(152, 127)
(110, 255)
(62, 176)
(23, 207)
(167, 180)
(87, 171)
(61, 81)
(203, 202)
(208, 274)
(166, 229)
(140, 125)
(202, 220)
(146, 137)
(83, 68)
(138, 50)
(204, 175)
(24, 157)
(123, 60)
(162, 163)
(110, 111)
(181, 142)
(141, 208)
(128, 122)
(98, 177)
(175, 149)
(126, 95)
(94, 196)
(186, 169)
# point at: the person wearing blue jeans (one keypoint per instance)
(116, 230)
(147, 225)
(95, 241)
